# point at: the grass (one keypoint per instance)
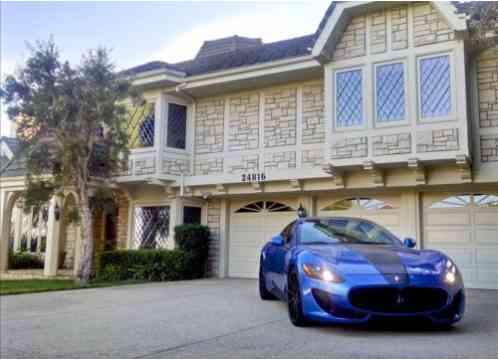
(12, 287)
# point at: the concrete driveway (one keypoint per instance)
(216, 318)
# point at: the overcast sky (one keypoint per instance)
(138, 32)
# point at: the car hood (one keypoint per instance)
(375, 259)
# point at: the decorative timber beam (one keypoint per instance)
(418, 171)
(336, 174)
(376, 174)
(464, 165)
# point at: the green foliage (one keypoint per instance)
(23, 260)
(194, 240)
(149, 265)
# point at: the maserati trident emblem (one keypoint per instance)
(399, 299)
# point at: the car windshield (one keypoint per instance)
(348, 231)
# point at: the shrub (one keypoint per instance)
(23, 260)
(194, 240)
(149, 265)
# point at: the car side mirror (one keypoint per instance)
(409, 243)
(277, 240)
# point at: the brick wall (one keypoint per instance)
(213, 222)
(176, 166)
(312, 158)
(392, 144)
(487, 77)
(122, 220)
(240, 164)
(243, 122)
(352, 43)
(352, 147)
(209, 166)
(437, 140)
(280, 160)
(489, 148)
(313, 128)
(378, 28)
(209, 126)
(399, 28)
(144, 166)
(280, 117)
(428, 26)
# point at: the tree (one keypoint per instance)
(72, 127)
(483, 24)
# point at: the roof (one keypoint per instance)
(15, 166)
(11, 142)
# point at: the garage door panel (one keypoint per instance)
(448, 218)
(447, 236)
(487, 236)
(486, 218)
(463, 257)
(387, 220)
(487, 279)
(488, 256)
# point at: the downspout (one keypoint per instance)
(180, 90)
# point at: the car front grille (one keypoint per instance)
(398, 300)
(329, 304)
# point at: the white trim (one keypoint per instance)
(131, 219)
(451, 116)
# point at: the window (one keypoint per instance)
(192, 215)
(259, 206)
(141, 126)
(349, 98)
(465, 200)
(435, 86)
(390, 92)
(151, 227)
(359, 203)
(177, 126)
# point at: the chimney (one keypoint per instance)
(227, 45)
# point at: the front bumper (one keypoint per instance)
(330, 302)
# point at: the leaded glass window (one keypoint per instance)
(390, 92)
(260, 206)
(151, 227)
(141, 126)
(177, 126)
(349, 98)
(359, 203)
(435, 86)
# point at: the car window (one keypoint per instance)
(333, 231)
(287, 232)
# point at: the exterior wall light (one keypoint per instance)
(301, 211)
(57, 212)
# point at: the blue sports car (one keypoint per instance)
(348, 270)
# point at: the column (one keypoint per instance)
(52, 249)
(4, 229)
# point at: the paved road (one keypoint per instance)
(216, 318)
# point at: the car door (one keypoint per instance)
(281, 257)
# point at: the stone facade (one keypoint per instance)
(243, 122)
(352, 43)
(280, 117)
(392, 144)
(487, 77)
(176, 166)
(213, 222)
(122, 220)
(209, 123)
(210, 166)
(280, 160)
(312, 158)
(244, 163)
(378, 32)
(313, 128)
(399, 28)
(428, 26)
(489, 148)
(353, 147)
(437, 140)
(145, 166)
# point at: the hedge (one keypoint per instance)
(24, 260)
(194, 240)
(149, 265)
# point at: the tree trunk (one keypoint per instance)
(85, 264)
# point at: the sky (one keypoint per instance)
(138, 32)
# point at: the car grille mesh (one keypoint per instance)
(398, 300)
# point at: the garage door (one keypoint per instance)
(252, 224)
(465, 226)
(383, 210)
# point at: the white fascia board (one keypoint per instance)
(162, 76)
(303, 63)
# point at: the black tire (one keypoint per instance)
(263, 291)
(294, 301)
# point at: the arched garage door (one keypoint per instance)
(252, 224)
(465, 226)
(383, 210)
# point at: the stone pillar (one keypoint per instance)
(175, 218)
(224, 233)
(410, 215)
(53, 231)
(17, 226)
(4, 230)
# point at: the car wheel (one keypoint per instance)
(294, 301)
(263, 291)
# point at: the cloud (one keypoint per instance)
(268, 27)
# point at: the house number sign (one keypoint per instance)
(250, 177)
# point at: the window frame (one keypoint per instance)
(364, 120)
(132, 222)
(451, 116)
(167, 99)
(396, 123)
(148, 149)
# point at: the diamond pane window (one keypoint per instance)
(349, 98)
(390, 91)
(177, 126)
(435, 86)
(151, 227)
(141, 126)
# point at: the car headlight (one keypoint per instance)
(321, 273)
(450, 275)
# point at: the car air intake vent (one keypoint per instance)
(398, 300)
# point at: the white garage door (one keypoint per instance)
(252, 224)
(383, 210)
(465, 226)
